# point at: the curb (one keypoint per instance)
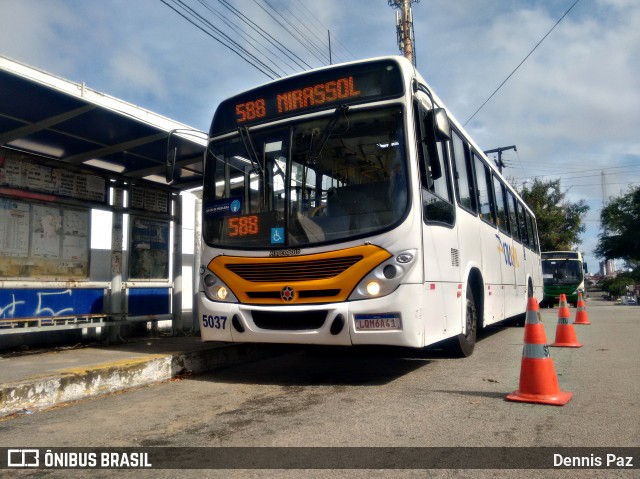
(78, 383)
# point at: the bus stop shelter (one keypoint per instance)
(65, 151)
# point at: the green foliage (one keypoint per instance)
(620, 221)
(559, 221)
(618, 286)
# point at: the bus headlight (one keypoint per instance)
(385, 278)
(373, 288)
(215, 289)
(222, 293)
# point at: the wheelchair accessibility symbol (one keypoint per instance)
(277, 235)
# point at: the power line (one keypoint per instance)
(313, 21)
(321, 38)
(286, 28)
(520, 64)
(264, 34)
(234, 47)
(255, 43)
(582, 176)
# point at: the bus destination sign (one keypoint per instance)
(348, 84)
(300, 98)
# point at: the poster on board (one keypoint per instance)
(149, 249)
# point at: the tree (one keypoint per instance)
(559, 220)
(620, 222)
(617, 286)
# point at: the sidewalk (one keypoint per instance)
(39, 380)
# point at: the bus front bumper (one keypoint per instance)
(394, 319)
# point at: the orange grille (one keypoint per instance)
(294, 270)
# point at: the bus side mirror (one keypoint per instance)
(171, 163)
(438, 122)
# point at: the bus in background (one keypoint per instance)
(346, 206)
(562, 273)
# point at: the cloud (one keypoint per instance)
(37, 35)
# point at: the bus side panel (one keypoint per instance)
(492, 260)
(521, 277)
(503, 244)
(534, 273)
(511, 265)
(442, 276)
(470, 250)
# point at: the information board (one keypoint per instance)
(149, 199)
(38, 241)
(29, 175)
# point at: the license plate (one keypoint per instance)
(377, 322)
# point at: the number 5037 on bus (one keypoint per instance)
(215, 322)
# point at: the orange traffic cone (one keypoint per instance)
(581, 314)
(565, 333)
(538, 381)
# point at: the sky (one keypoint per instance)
(572, 108)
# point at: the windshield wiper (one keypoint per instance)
(316, 149)
(249, 148)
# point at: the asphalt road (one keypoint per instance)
(371, 397)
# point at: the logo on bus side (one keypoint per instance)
(510, 254)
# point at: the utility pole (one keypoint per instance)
(499, 151)
(404, 28)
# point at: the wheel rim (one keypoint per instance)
(471, 321)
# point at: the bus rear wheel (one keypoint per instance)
(462, 345)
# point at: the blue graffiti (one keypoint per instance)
(29, 303)
(11, 312)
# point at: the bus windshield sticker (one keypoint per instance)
(224, 207)
(277, 235)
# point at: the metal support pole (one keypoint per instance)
(176, 303)
(116, 296)
(197, 239)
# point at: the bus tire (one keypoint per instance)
(463, 344)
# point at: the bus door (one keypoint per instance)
(469, 232)
(439, 233)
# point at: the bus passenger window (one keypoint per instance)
(484, 185)
(532, 238)
(522, 222)
(462, 173)
(513, 216)
(501, 211)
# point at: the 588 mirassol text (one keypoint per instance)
(608, 460)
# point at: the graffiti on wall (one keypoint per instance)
(34, 303)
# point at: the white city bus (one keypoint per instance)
(345, 206)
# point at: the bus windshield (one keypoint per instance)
(312, 181)
(559, 271)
